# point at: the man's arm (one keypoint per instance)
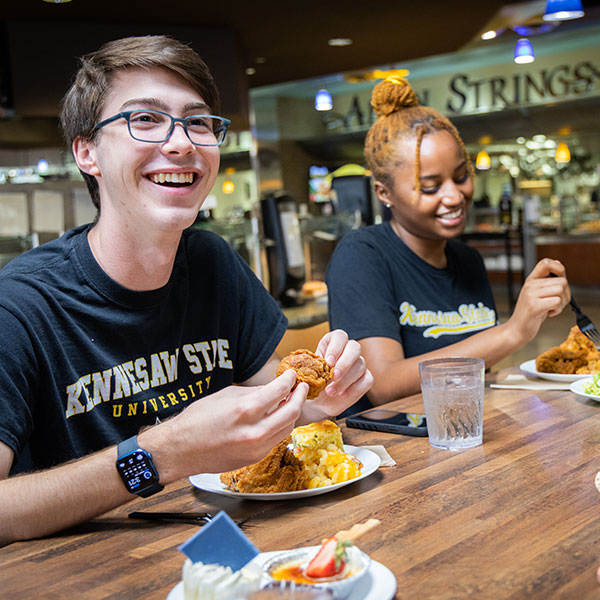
(226, 430)
(36, 504)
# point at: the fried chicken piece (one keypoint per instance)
(577, 354)
(577, 342)
(310, 368)
(593, 366)
(279, 471)
(558, 360)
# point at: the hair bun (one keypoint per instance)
(392, 94)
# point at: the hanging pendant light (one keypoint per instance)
(323, 100)
(563, 10)
(524, 52)
(483, 162)
(563, 154)
(228, 185)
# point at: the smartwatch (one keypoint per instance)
(136, 468)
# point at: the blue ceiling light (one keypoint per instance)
(563, 10)
(534, 29)
(323, 100)
(524, 52)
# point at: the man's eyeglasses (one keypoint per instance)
(155, 126)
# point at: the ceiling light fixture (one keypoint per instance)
(323, 100)
(491, 34)
(524, 52)
(339, 42)
(381, 74)
(483, 162)
(228, 185)
(563, 154)
(57, 1)
(563, 10)
(535, 28)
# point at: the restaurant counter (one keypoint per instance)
(579, 253)
(517, 517)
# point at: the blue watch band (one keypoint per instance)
(128, 446)
(137, 469)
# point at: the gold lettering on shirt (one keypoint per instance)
(468, 318)
(132, 377)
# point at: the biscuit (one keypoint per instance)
(310, 368)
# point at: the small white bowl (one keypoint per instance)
(340, 588)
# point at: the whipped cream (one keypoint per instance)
(216, 582)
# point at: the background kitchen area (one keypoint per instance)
(293, 180)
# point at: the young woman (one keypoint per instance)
(406, 289)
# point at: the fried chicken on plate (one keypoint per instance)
(576, 355)
(313, 456)
(279, 471)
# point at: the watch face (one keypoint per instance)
(136, 471)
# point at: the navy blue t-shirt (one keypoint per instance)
(85, 362)
(378, 287)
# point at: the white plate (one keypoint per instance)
(577, 387)
(379, 582)
(210, 482)
(529, 368)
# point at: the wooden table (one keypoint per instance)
(518, 517)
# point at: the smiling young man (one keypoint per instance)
(121, 342)
(406, 289)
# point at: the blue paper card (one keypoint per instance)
(221, 542)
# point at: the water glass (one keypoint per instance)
(452, 391)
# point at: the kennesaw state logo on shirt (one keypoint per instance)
(468, 318)
(121, 385)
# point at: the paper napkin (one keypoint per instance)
(386, 459)
(222, 542)
(516, 381)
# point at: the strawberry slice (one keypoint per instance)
(329, 561)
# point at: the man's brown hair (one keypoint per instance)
(83, 103)
(399, 115)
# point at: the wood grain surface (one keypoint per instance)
(516, 518)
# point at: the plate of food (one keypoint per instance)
(335, 570)
(575, 359)
(588, 387)
(312, 460)
(211, 482)
(529, 368)
(378, 583)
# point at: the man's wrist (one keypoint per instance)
(164, 444)
(137, 469)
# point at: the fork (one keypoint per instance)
(583, 321)
(194, 518)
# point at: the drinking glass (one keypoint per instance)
(452, 391)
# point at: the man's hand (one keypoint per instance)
(351, 378)
(231, 428)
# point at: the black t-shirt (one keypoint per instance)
(378, 287)
(85, 362)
